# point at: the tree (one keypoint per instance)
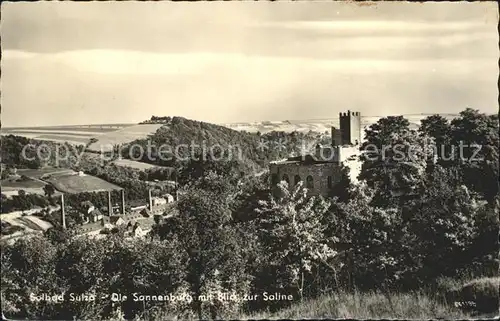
(49, 190)
(394, 164)
(342, 189)
(28, 268)
(215, 262)
(6, 172)
(292, 230)
(439, 128)
(199, 166)
(58, 236)
(478, 158)
(379, 138)
(146, 268)
(442, 222)
(374, 237)
(380, 133)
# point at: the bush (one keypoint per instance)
(479, 295)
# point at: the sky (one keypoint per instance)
(119, 62)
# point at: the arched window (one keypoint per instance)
(286, 179)
(330, 182)
(297, 179)
(274, 179)
(310, 182)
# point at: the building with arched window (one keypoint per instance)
(321, 169)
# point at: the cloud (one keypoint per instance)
(42, 90)
(17, 54)
(122, 62)
(360, 25)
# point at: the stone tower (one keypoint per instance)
(350, 128)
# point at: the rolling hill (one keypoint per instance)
(108, 135)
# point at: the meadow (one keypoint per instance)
(134, 164)
(80, 184)
(77, 135)
(105, 142)
(426, 304)
(113, 134)
(13, 185)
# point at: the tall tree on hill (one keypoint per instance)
(199, 166)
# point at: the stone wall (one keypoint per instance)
(318, 172)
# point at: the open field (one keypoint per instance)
(113, 134)
(106, 141)
(80, 184)
(63, 138)
(135, 164)
(36, 132)
(77, 135)
(38, 173)
(317, 125)
(64, 180)
(72, 139)
(99, 128)
(30, 185)
(26, 224)
(28, 221)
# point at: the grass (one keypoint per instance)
(29, 185)
(80, 184)
(134, 164)
(65, 138)
(21, 184)
(122, 136)
(77, 128)
(364, 306)
(38, 173)
(371, 305)
(76, 135)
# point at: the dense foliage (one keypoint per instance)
(410, 223)
(180, 139)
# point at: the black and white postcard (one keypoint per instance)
(245, 160)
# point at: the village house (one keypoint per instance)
(89, 213)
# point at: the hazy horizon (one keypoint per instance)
(68, 63)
